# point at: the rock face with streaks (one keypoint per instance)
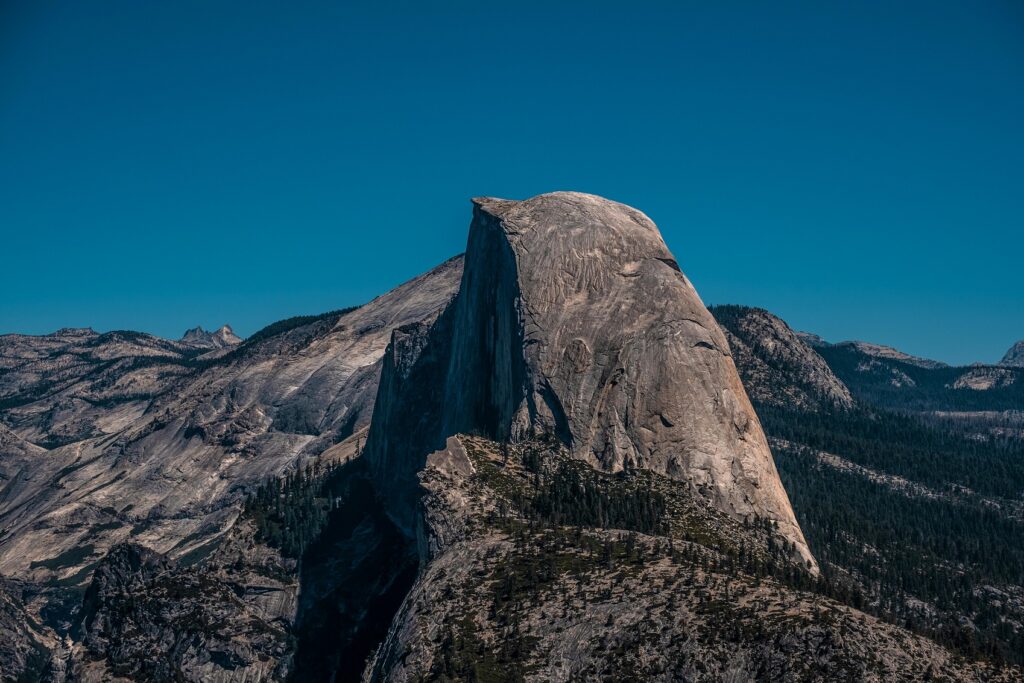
(563, 479)
(74, 384)
(573, 320)
(986, 377)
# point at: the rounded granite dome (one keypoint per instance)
(573, 319)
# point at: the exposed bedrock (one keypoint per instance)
(574, 320)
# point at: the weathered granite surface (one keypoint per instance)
(145, 618)
(573, 319)
(25, 653)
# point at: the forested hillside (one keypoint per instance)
(904, 495)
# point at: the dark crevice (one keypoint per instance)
(348, 427)
(551, 400)
(354, 578)
(671, 263)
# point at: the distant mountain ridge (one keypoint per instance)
(876, 350)
(1014, 356)
(887, 376)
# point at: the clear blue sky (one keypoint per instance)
(857, 168)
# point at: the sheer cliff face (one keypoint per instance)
(574, 320)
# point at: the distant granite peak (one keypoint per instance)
(811, 339)
(219, 339)
(888, 352)
(1015, 356)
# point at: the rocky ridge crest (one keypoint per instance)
(223, 337)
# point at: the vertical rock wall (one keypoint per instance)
(573, 319)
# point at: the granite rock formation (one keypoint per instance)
(563, 479)
(25, 653)
(882, 351)
(574, 320)
(146, 617)
(223, 337)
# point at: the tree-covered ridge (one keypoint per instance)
(568, 494)
(290, 512)
(566, 524)
(948, 568)
(282, 326)
(732, 317)
(914, 494)
(538, 484)
(896, 385)
(936, 454)
(948, 561)
(678, 601)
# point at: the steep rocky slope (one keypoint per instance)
(574, 320)
(171, 477)
(776, 365)
(296, 589)
(147, 617)
(24, 648)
